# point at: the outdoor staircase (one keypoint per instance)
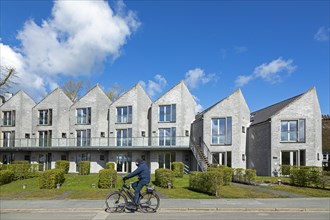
(202, 155)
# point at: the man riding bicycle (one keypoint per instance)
(144, 178)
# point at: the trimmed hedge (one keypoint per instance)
(63, 164)
(227, 173)
(6, 176)
(84, 167)
(238, 175)
(107, 178)
(207, 182)
(110, 165)
(308, 176)
(250, 176)
(178, 169)
(163, 177)
(22, 169)
(49, 178)
(247, 176)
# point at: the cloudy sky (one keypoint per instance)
(271, 50)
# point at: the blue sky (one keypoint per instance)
(271, 50)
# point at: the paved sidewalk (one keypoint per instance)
(168, 205)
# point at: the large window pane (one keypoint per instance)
(221, 131)
(302, 130)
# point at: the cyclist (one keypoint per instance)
(143, 172)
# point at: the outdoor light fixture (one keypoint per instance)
(24, 185)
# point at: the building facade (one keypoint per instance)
(286, 133)
(326, 142)
(160, 132)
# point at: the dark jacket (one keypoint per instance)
(142, 171)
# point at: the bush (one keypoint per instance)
(49, 178)
(227, 173)
(63, 164)
(84, 167)
(207, 182)
(178, 169)
(164, 177)
(238, 175)
(21, 169)
(6, 176)
(307, 176)
(285, 170)
(250, 176)
(107, 178)
(110, 165)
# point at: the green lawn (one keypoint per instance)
(80, 187)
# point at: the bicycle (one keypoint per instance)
(117, 201)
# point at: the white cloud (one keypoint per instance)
(198, 107)
(322, 34)
(272, 72)
(197, 76)
(155, 87)
(76, 40)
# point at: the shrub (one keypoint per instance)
(207, 182)
(178, 169)
(20, 168)
(250, 176)
(285, 170)
(110, 165)
(238, 175)
(107, 178)
(63, 164)
(84, 167)
(226, 171)
(49, 178)
(6, 176)
(163, 177)
(307, 176)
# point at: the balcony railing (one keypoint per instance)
(153, 142)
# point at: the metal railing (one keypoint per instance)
(198, 152)
(180, 142)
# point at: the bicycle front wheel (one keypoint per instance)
(116, 202)
(149, 202)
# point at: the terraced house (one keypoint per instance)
(163, 131)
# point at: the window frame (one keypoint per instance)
(121, 140)
(9, 118)
(46, 139)
(167, 113)
(83, 118)
(83, 140)
(122, 118)
(167, 136)
(227, 135)
(300, 131)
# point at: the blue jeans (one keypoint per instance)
(137, 186)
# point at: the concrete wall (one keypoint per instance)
(60, 105)
(22, 104)
(185, 113)
(306, 107)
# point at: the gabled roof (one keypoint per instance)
(176, 85)
(209, 108)
(137, 85)
(52, 92)
(265, 114)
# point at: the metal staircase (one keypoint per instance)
(202, 155)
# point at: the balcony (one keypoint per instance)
(135, 143)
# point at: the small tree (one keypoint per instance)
(7, 75)
(74, 89)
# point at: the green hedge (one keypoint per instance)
(110, 165)
(63, 164)
(308, 176)
(226, 171)
(84, 167)
(285, 170)
(238, 175)
(22, 169)
(6, 176)
(49, 178)
(163, 177)
(178, 169)
(107, 178)
(250, 176)
(207, 182)
(244, 176)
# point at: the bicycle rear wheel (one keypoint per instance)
(149, 202)
(116, 202)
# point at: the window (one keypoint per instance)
(222, 158)
(63, 157)
(102, 134)
(243, 129)
(84, 115)
(167, 136)
(45, 117)
(124, 114)
(27, 136)
(45, 138)
(124, 137)
(293, 158)
(83, 138)
(9, 118)
(102, 157)
(293, 131)
(221, 131)
(63, 135)
(8, 138)
(166, 159)
(167, 113)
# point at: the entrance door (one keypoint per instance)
(124, 163)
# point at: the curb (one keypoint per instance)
(178, 210)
